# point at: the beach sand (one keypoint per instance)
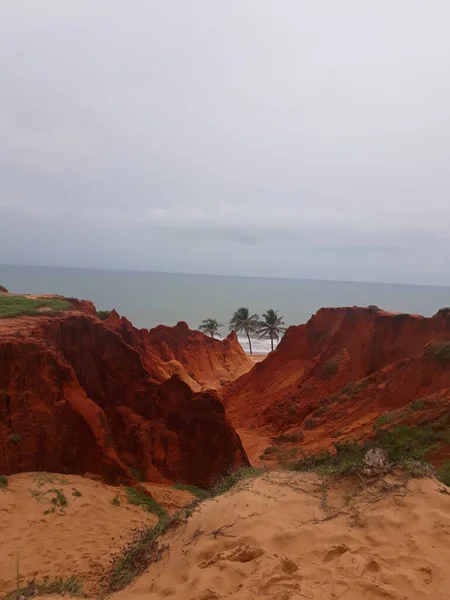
(77, 540)
(282, 536)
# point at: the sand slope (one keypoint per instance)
(77, 540)
(283, 536)
(286, 537)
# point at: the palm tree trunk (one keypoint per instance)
(249, 343)
(271, 340)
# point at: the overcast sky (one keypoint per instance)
(254, 137)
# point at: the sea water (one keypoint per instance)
(149, 299)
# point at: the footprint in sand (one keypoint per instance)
(242, 554)
(335, 553)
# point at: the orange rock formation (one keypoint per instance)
(332, 378)
(201, 361)
(77, 395)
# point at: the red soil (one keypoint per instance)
(331, 378)
(76, 396)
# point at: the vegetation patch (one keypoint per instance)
(3, 482)
(115, 501)
(137, 474)
(286, 438)
(384, 420)
(441, 352)
(330, 367)
(17, 306)
(14, 438)
(406, 446)
(226, 483)
(140, 498)
(281, 454)
(70, 586)
(192, 489)
(103, 314)
(417, 405)
(443, 473)
(310, 424)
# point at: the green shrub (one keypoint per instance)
(443, 472)
(103, 314)
(14, 437)
(441, 352)
(417, 405)
(3, 482)
(330, 367)
(383, 420)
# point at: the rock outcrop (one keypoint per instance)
(334, 377)
(77, 396)
(3, 290)
(200, 361)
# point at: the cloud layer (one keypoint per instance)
(297, 138)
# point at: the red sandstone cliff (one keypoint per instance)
(201, 361)
(333, 377)
(76, 397)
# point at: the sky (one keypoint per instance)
(303, 138)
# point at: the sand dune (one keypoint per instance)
(75, 540)
(282, 536)
(289, 537)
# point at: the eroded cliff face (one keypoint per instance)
(76, 396)
(200, 361)
(332, 378)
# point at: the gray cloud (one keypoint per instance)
(296, 138)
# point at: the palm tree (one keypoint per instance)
(210, 327)
(242, 320)
(271, 326)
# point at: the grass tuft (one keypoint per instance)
(16, 306)
(70, 586)
(3, 482)
(140, 498)
(115, 501)
(226, 483)
(192, 489)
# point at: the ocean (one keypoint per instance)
(150, 299)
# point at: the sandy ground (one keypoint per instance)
(287, 537)
(78, 540)
(282, 536)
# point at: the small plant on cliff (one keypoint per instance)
(443, 473)
(243, 322)
(272, 326)
(210, 327)
(140, 498)
(383, 420)
(115, 501)
(330, 367)
(14, 437)
(441, 352)
(3, 482)
(103, 314)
